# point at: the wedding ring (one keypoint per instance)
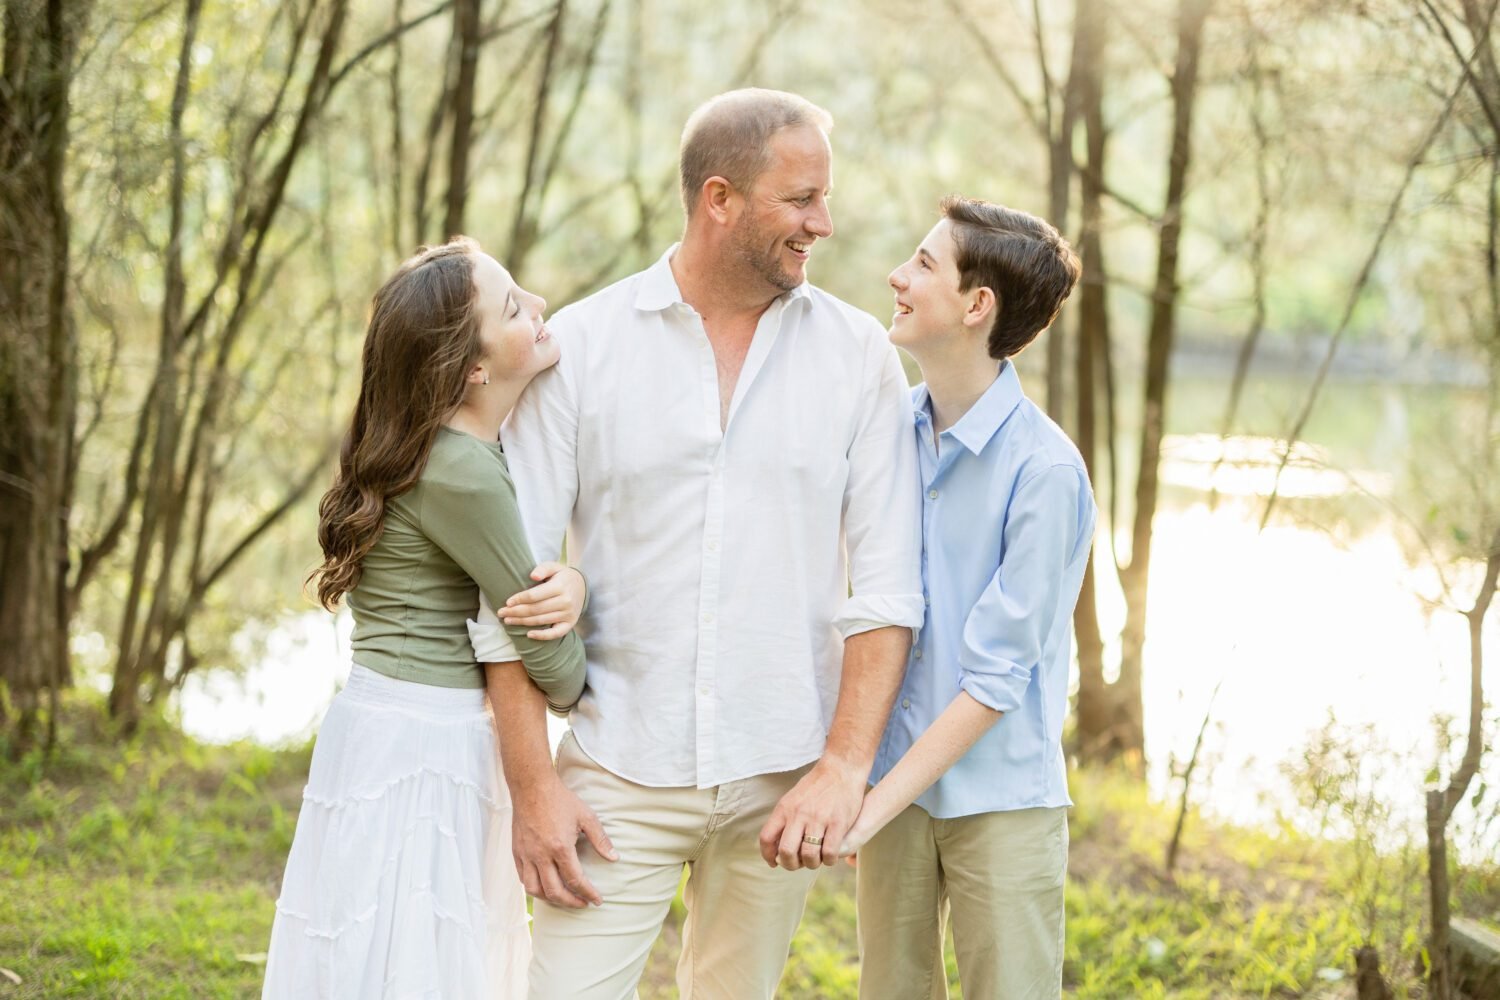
(815, 841)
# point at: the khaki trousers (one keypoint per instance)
(741, 913)
(1001, 874)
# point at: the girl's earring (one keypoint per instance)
(486, 378)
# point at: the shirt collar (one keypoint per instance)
(975, 428)
(658, 288)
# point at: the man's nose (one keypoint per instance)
(820, 223)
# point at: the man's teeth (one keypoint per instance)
(799, 247)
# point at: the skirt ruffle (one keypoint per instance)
(400, 883)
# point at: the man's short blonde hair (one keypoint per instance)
(729, 136)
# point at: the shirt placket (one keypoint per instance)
(933, 465)
(705, 681)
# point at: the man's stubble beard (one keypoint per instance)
(747, 240)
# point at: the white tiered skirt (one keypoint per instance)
(400, 884)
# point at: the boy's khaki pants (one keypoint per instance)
(741, 913)
(1001, 873)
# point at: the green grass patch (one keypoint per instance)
(149, 866)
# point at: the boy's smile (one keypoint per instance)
(929, 308)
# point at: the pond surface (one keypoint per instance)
(1322, 615)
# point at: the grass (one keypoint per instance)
(149, 867)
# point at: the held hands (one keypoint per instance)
(858, 835)
(551, 608)
(809, 825)
(546, 828)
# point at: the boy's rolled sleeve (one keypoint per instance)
(1004, 631)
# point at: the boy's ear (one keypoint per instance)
(983, 306)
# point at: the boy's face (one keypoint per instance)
(929, 307)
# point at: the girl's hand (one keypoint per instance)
(551, 608)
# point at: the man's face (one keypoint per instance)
(786, 209)
(929, 307)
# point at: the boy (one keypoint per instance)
(969, 806)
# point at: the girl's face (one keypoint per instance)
(516, 342)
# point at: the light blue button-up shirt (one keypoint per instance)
(1007, 520)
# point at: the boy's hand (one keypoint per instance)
(552, 608)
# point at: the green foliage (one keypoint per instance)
(149, 867)
(141, 867)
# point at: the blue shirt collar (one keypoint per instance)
(658, 288)
(975, 428)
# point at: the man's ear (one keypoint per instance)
(984, 306)
(719, 197)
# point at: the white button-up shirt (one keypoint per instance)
(725, 567)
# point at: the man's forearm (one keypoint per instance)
(874, 665)
(520, 710)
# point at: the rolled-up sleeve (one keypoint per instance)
(882, 510)
(1049, 519)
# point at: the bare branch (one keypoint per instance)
(1356, 293)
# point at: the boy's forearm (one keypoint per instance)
(949, 737)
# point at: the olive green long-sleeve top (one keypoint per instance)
(456, 531)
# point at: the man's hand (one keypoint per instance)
(823, 806)
(545, 829)
(552, 608)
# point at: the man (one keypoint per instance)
(730, 451)
(972, 793)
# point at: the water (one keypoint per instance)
(1323, 614)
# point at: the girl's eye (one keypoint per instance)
(515, 310)
(923, 265)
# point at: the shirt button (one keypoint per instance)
(713, 546)
(932, 494)
(918, 654)
(926, 601)
(703, 690)
(707, 618)
(906, 703)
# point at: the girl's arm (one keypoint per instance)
(936, 750)
(547, 818)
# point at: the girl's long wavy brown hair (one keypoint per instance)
(422, 340)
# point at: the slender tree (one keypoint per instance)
(38, 354)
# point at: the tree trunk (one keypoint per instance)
(1438, 985)
(187, 416)
(1097, 708)
(1060, 176)
(466, 45)
(1163, 330)
(38, 352)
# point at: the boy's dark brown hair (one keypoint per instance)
(1021, 258)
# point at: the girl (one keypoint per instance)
(397, 885)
